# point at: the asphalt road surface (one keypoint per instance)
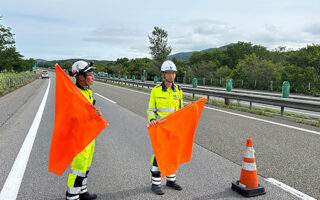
(285, 151)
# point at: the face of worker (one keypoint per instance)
(90, 78)
(169, 76)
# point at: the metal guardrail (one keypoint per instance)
(258, 93)
(269, 100)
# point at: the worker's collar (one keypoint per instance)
(80, 86)
(164, 88)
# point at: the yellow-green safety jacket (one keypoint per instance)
(81, 163)
(164, 101)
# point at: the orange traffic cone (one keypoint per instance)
(248, 184)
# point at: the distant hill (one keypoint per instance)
(186, 55)
(40, 60)
(72, 61)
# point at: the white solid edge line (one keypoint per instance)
(105, 98)
(231, 113)
(11, 186)
(289, 189)
(262, 120)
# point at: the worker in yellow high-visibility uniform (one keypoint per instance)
(77, 180)
(165, 98)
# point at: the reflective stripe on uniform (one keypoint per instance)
(83, 190)
(249, 166)
(152, 109)
(171, 177)
(84, 182)
(76, 197)
(166, 110)
(151, 113)
(77, 173)
(154, 169)
(74, 190)
(156, 180)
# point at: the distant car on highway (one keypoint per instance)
(44, 74)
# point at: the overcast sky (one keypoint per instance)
(107, 30)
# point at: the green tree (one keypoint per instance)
(253, 69)
(239, 50)
(159, 48)
(6, 37)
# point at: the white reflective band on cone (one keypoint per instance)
(249, 166)
(249, 153)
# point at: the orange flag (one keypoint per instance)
(76, 123)
(172, 137)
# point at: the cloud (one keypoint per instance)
(202, 34)
(313, 29)
(116, 36)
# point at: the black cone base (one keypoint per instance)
(248, 192)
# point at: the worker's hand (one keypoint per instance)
(98, 111)
(153, 122)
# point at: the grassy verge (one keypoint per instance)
(245, 108)
(12, 81)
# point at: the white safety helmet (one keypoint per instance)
(81, 67)
(168, 65)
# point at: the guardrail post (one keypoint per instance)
(282, 111)
(271, 85)
(255, 83)
(227, 101)
(250, 105)
(10, 83)
(193, 96)
(204, 81)
(208, 98)
(211, 81)
(309, 86)
(242, 83)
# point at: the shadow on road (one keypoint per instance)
(228, 193)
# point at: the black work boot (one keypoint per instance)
(88, 196)
(157, 189)
(173, 185)
(72, 196)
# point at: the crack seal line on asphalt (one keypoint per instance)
(11, 186)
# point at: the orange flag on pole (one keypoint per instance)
(76, 123)
(172, 137)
